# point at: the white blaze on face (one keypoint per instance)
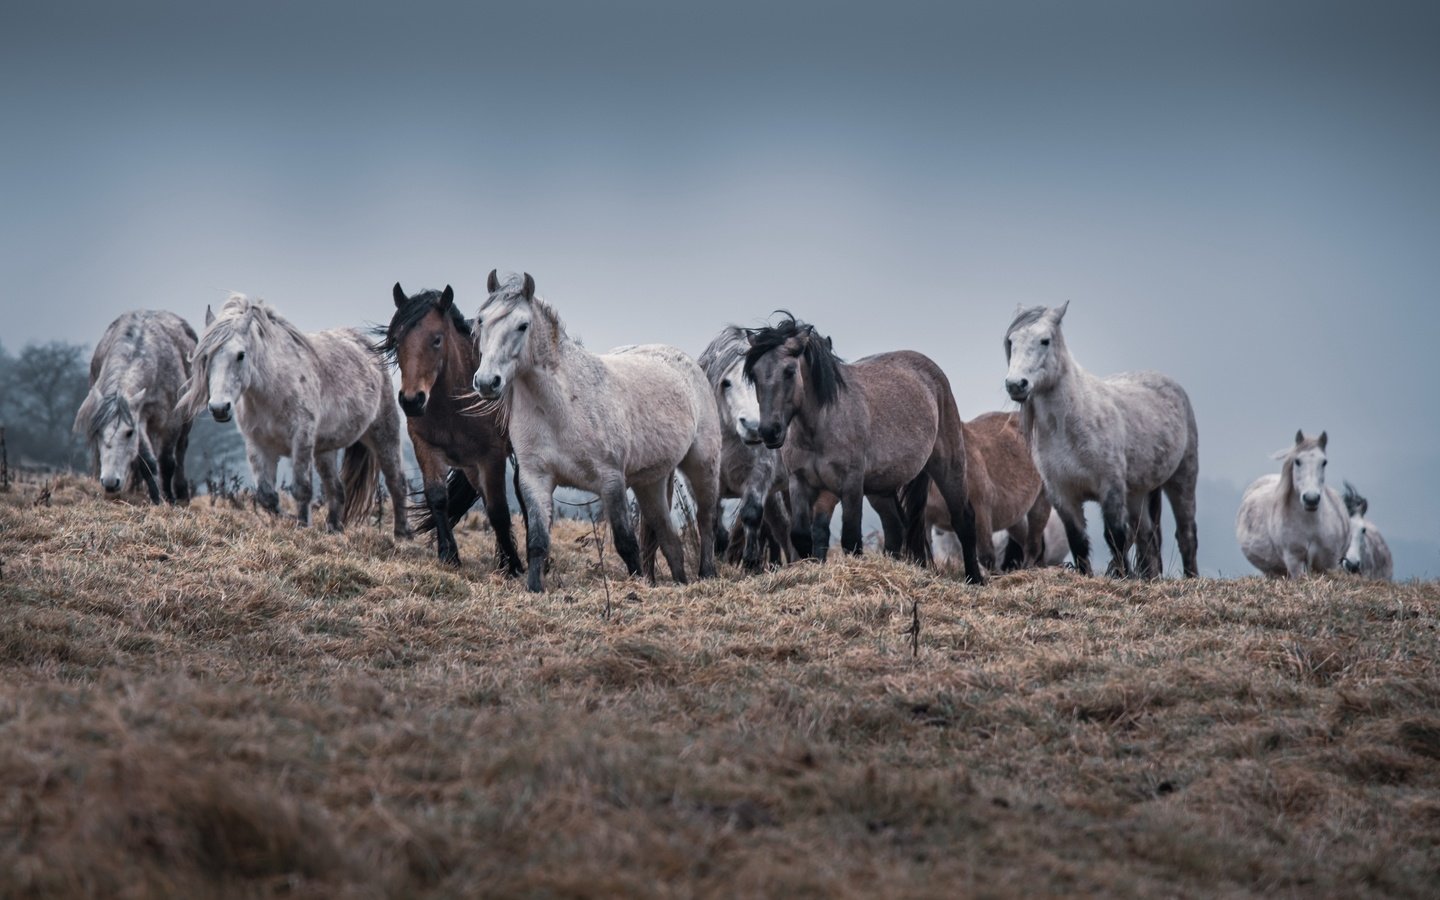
(228, 376)
(1355, 553)
(741, 405)
(1309, 476)
(501, 341)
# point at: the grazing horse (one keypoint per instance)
(1118, 441)
(748, 469)
(1368, 555)
(600, 423)
(305, 396)
(883, 427)
(136, 375)
(433, 347)
(1292, 523)
(1005, 492)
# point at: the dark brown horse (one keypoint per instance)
(1005, 492)
(431, 343)
(883, 427)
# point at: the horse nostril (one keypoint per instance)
(495, 382)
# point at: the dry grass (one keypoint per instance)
(204, 703)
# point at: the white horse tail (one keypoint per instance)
(360, 475)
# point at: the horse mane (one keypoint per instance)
(406, 318)
(728, 348)
(239, 315)
(824, 371)
(111, 407)
(1354, 503)
(1023, 317)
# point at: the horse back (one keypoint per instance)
(665, 403)
(910, 414)
(345, 385)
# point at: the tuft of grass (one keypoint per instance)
(207, 702)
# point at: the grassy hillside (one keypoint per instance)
(201, 702)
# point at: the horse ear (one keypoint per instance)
(86, 412)
(1364, 507)
(529, 287)
(1299, 436)
(447, 298)
(492, 284)
(1058, 312)
(399, 294)
(139, 400)
(752, 337)
(1323, 439)
(209, 316)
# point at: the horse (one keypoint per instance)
(432, 345)
(1005, 492)
(600, 423)
(1292, 523)
(1119, 441)
(136, 375)
(1367, 554)
(748, 470)
(883, 427)
(305, 396)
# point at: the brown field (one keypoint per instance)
(204, 703)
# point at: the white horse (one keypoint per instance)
(1119, 441)
(305, 396)
(749, 470)
(136, 375)
(628, 418)
(1368, 554)
(1291, 523)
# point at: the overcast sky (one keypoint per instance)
(1243, 195)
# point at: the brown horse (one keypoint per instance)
(431, 343)
(1005, 492)
(883, 427)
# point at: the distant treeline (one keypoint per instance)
(43, 385)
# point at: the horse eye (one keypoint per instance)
(240, 356)
(439, 339)
(725, 384)
(523, 326)
(790, 372)
(1045, 342)
(1324, 463)
(129, 432)
(1298, 463)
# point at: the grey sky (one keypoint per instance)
(1244, 195)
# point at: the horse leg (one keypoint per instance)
(262, 469)
(752, 519)
(1035, 521)
(1072, 516)
(622, 529)
(302, 461)
(777, 520)
(538, 489)
(1116, 512)
(497, 511)
(702, 473)
(984, 539)
(654, 502)
(821, 513)
(1181, 491)
(385, 445)
(852, 507)
(167, 472)
(327, 464)
(892, 522)
(181, 485)
(1017, 539)
(949, 477)
(1153, 540)
(148, 467)
(802, 505)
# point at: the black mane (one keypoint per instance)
(406, 318)
(824, 371)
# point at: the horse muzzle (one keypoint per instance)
(413, 406)
(1018, 389)
(1352, 567)
(111, 485)
(773, 436)
(220, 412)
(489, 388)
(1311, 502)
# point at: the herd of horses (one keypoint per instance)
(771, 417)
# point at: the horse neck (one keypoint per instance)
(1068, 398)
(546, 383)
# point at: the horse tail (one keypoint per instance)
(460, 495)
(913, 498)
(359, 475)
